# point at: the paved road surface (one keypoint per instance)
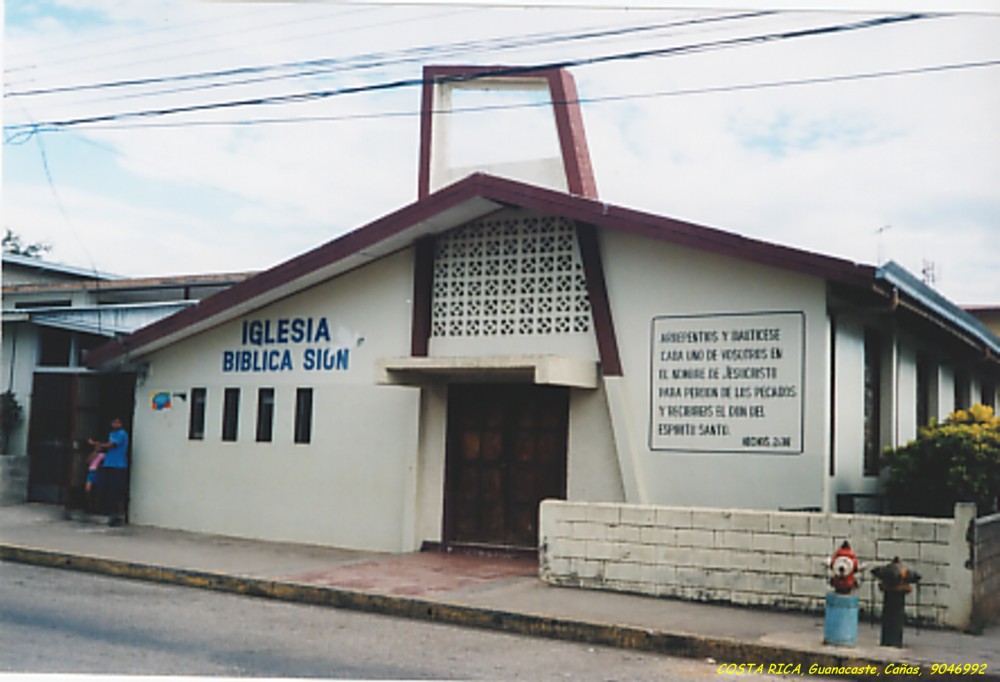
(57, 621)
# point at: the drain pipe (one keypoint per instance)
(893, 297)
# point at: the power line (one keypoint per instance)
(59, 204)
(132, 34)
(298, 37)
(968, 7)
(760, 85)
(535, 39)
(76, 59)
(412, 82)
(340, 31)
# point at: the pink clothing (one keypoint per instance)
(96, 462)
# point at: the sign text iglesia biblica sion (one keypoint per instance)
(284, 345)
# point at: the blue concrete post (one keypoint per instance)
(840, 628)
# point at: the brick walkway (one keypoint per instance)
(421, 574)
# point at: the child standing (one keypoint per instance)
(90, 487)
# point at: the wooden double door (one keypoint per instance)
(506, 453)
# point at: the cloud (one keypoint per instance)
(820, 167)
(116, 236)
(823, 167)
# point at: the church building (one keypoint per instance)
(428, 378)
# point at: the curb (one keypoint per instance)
(774, 659)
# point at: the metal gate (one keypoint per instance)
(66, 409)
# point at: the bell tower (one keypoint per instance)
(562, 163)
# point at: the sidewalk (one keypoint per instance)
(491, 592)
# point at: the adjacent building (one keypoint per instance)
(989, 315)
(53, 315)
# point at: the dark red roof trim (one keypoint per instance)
(506, 192)
(600, 307)
(423, 285)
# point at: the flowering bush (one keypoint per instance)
(955, 461)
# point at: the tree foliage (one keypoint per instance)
(12, 244)
(955, 461)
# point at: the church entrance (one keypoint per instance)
(506, 452)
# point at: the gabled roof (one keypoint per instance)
(476, 196)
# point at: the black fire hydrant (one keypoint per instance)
(895, 580)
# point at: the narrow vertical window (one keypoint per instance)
(303, 415)
(872, 403)
(265, 414)
(196, 423)
(230, 414)
(923, 391)
(988, 394)
(961, 391)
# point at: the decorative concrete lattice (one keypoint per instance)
(510, 276)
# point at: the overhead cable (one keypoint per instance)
(506, 71)
(528, 40)
(76, 59)
(599, 99)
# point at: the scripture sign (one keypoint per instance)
(727, 383)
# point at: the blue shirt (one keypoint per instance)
(116, 457)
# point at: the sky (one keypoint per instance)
(876, 141)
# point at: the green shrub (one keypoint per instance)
(955, 461)
(10, 417)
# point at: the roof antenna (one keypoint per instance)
(927, 272)
(880, 251)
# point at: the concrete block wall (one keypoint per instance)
(757, 558)
(986, 578)
(13, 479)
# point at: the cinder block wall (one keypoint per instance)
(986, 581)
(761, 558)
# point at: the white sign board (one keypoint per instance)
(728, 382)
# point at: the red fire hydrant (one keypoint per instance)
(895, 580)
(845, 567)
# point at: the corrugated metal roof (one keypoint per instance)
(896, 275)
(59, 268)
(106, 320)
(132, 284)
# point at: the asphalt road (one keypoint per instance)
(57, 621)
